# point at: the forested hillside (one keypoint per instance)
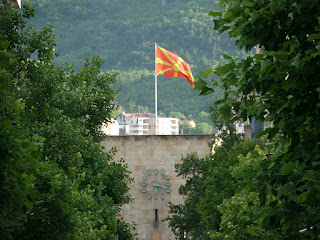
(123, 33)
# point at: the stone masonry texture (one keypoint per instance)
(152, 159)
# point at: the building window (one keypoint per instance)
(156, 219)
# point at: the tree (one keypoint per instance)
(204, 117)
(19, 151)
(202, 128)
(55, 178)
(240, 214)
(280, 84)
(184, 219)
(185, 128)
(209, 181)
(179, 115)
(132, 107)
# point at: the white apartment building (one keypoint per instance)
(124, 122)
(168, 126)
(140, 125)
(144, 124)
(136, 123)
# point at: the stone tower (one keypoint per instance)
(151, 159)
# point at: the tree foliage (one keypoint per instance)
(241, 213)
(209, 181)
(56, 183)
(280, 84)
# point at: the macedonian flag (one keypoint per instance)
(171, 65)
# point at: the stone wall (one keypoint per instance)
(151, 159)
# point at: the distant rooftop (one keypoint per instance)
(15, 4)
(131, 115)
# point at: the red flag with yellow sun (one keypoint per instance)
(171, 65)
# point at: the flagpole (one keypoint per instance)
(155, 87)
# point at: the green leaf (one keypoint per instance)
(218, 102)
(206, 90)
(247, 3)
(311, 174)
(254, 16)
(295, 61)
(297, 7)
(204, 74)
(4, 44)
(245, 218)
(259, 57)
(215, 14)
(264, 65)
(288, 168)
(285, 189)
(201, 86)
(290, 15)
(225, 110)
(315, 54)
(314, 37)
(199, 83)
(226, 56)
(222, 70)
(265, 223)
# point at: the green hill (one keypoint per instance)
(123, 33)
